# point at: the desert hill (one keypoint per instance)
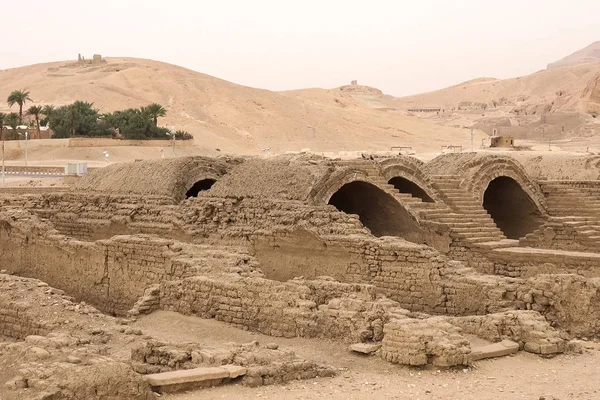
(573, 88)
(587, 55)
(234, 118)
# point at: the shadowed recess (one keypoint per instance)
(199, 186)
(404, 185)
(511, 208)
(377, 210)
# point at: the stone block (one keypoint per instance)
(365, 348)
(235, 370)
(187, 376)
(501, 349)
(532, 347)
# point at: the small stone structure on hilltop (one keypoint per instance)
(96, 59)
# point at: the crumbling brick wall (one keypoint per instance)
(421, 342)
(570, 302)
(524, 263)
(15, 323)
(529, 329)
(110, 274)
(295, 308)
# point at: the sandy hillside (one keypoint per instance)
(589, 54)
(570, 88)
(234, 118)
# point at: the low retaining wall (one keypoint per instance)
(33, 170)
(15, 323)
(108, 142)
(522, 262)
(33, 190)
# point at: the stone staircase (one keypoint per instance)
(469, 222)
(583, 230)
(564, 200)
(577, 208)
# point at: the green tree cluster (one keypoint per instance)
(77, 119)
(82, 119)
(135, 123)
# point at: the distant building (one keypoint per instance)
(32, 133)
(502, 141)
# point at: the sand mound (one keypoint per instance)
(560, 88)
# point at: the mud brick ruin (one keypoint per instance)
(412, 257)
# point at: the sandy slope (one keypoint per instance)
(569, 88)
(231, 117)
(589, 54)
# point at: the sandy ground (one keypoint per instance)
(523, 376)
(26, 181)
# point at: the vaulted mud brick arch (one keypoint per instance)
(404, 185)
(200, 186)
(377, 210)
(512, 209)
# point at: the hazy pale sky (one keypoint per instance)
(401, 47)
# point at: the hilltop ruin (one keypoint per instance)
(96, 60)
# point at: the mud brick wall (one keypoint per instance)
(406, 273)
(526, 264)
(15, 323)
(329, 309)
(421, 279)
(95, 216)
(570, 302)
(422, 342)
(559, 236)
(528, 328)
(118, 270)
(253, 218)
(474, 258)
(110, 274)
(416, 276)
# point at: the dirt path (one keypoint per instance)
(524, 376)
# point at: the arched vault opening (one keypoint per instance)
(377, 210)
(512, 209)
(199, 186)
(404, 185)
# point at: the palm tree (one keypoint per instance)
(18, 97)
(48, 110)
(35, 112)
(154, 111)
(2, 118)
(12, 120)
